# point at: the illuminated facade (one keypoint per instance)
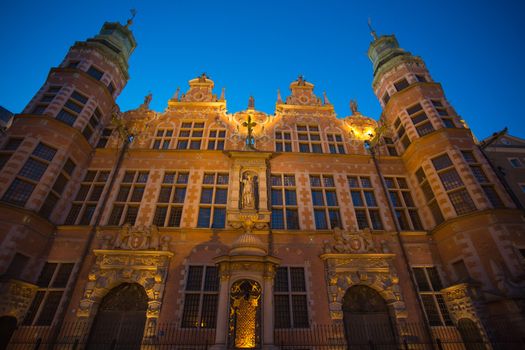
(250, 224)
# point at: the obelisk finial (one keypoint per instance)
(130, 20)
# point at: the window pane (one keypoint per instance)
(320, 219)
(297, 279)
(46, 274)
(421, 279)
(180, 194)
(210, 304)
(317, 197)
(277, 219)
(49, 308)
(206, 195)
(62, 276)
(300, 311)
(221, 195)
(194, 281)
(290, 197)
(331, 198)
(204, 217)
(281, 279)
(282, 311)
(219, 217)
(370, 199)
(190, 313)
(277, 198)
(292, 219)
(160, 216)
(175, 217)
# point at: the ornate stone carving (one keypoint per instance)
(346, 242)
(112, 267)
(377, 271)
(16, 297)
(463, 301)
(135, 238)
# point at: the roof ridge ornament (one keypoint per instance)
(372, 31)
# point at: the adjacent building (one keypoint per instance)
(251, 229)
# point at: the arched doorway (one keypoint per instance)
(7, 328)
(245, 313)
(120, 318)
(470, 334)
(366, 319)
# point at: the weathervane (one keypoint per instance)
(249, 124)
(372, 31)
(130, 20)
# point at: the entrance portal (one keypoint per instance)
(366, 319)
(120, 318)
(245, 310)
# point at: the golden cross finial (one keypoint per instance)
(249, 124)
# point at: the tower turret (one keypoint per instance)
(466, 205)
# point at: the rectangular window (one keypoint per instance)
(171, 199)
(95, 73)
(92, 124)
(283, 141)
(335, 143)
(104, 138)
(56, 191)
(201, 297)
(404, 206)
(420, 120)
(52, 283)
(429, 285)
(401, 84)
(401, 134)
(390, 146)
(365, 203)
(163, 139)
(48, 96)
(9, 148)
(27, 179)
(214, 196)
(216, 139)
(456, 191)
(190, 135)
(126, 207)
(285, 214)
(432, 204)
(290, 298)
(87, 197)
(309, 139)
(72, 108)
(325, 203)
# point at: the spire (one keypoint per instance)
(223, 94)
(325, 99)
(279, 99)
(130, 20)
(372, 31)
(176, 95)
(251, 103)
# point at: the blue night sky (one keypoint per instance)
(474, 48)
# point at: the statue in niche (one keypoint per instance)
(248, 191)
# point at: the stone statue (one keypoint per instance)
(248, 193)
(353, 107)
(251, 103)
(147, 100)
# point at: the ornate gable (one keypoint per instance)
(303, 94)
(201, 90)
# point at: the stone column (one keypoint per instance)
(268, 309)
(221, 332)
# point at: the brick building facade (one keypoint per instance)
(246, 224)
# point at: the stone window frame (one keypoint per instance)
(401, 134)
(311, 134)
(441, 110)
(213, 206)
(398, 188)
(86, 199)
(129, 204)
(172, 206)
(335, 142)
(49, 296)
(61, 182)
(92, 124)
(205, 291)
(290, 293)
(283, 141)
(190, 139)
(284, 207)
(218, 141)
(481, 178)
(515, 162)
(432, 294)
(47, 97)
(390, 146)
(325, 208)
(453, 185)
(105, 135)
(11, 145)
(163, 139)
(363, 188)
(420, 119)
(72, 108)
(429, 196)
(29, 184)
